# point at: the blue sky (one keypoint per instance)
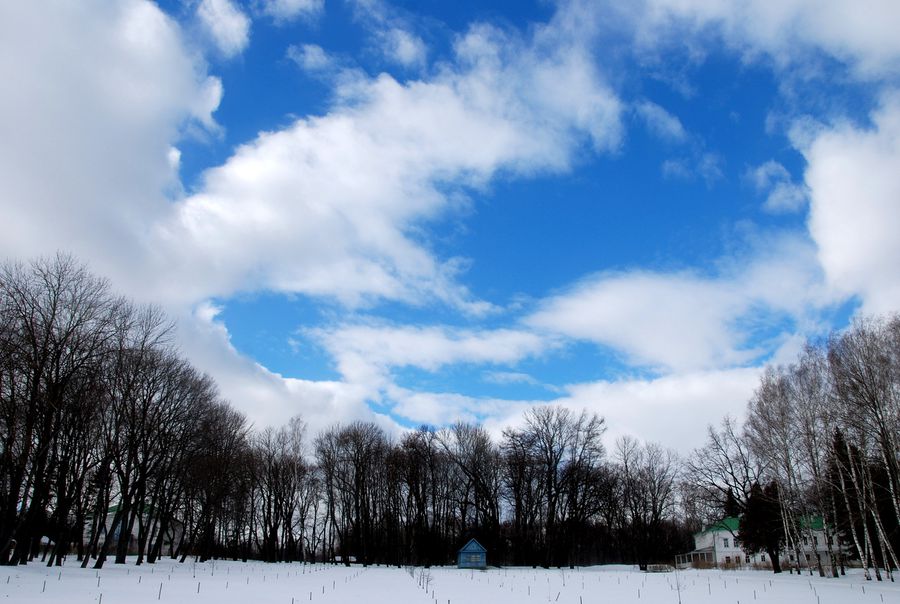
(420, 212)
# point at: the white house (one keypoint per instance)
(718, 545)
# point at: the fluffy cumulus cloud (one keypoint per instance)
(684, 321)
(786, 32)
(88, 121)
(693, 329)
(672, 410)
(266, 397)
(854, 184)
(226, 24)
(337, 205)
(326, 205)
(367, 353)
(365, 356)
(442, 408)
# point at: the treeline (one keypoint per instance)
(821, 440)
(111, 443)
(545, 495)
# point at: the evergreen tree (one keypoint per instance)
(761, 529)
(732, 507)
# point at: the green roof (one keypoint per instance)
(816, 523)
(730, 524)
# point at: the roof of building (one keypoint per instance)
(473, 546)
(729, 524)
(732, 524)
(816, 523)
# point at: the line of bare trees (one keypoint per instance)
(112, 444)
(545, 494)
(821, 440)
(102, 424)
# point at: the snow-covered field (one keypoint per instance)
(235, 582)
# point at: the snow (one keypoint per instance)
(235, 582)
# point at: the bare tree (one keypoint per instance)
(724, 470)
(648, 473)
(57, 320)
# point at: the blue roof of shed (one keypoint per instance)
(473, 546)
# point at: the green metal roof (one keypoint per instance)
(725, 524)
(816, 523)
(732, 524)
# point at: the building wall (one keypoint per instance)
(704, 540)
(728, 552)
(471, 560)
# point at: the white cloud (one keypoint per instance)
(710, 167)
(393, 33)
(863, 36)
(174, 157)
(504, 378)
(94, 101)
(782, 194)
(673, 320)
(310, 57)
(288, 10)
(332, 206)
(854, 185)
(366, 353)
(660, 122)
(707, 166)
(682, 321)
(672, 410)
(676, 168)
(226, 24)
(327, 205)
(404, 47)
(443, 408)
(365, 356)
(267, 398)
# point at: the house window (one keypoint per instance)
(725, 541)
(805, 541)
(727, 559)
(792, 557)
(748, 558)
(762, 557)
(815, 540)
(807, 557)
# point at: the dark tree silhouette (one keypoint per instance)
(761, 528)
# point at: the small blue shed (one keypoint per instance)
(472, 555)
